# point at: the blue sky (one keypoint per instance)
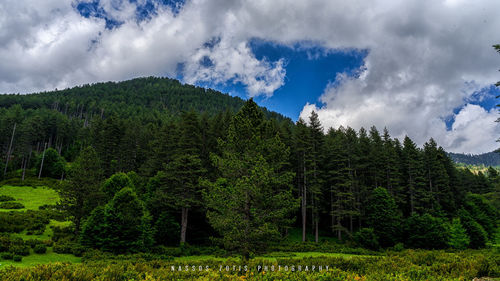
(422, 74)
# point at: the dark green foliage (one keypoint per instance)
(11, 205)
(458, 235)
(17, 258)
(367, 238)
(167, 230)
(383, 217)
(6, 256)
(20, 249)
(252, 199)
(4, 198)
(115, 183)
(426, 232)
(80, 194)
(40, 249)
(53, 164)
(482, 212)
(478, 236)
(121, 226)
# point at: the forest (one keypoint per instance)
(154, 167)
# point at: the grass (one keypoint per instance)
(34, 259)
(46, 235)
(30, 197)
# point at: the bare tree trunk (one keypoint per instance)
(316, 223)
(9, 151)
(304, 205)
(41, 165)
(184, 222)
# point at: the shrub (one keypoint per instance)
(20, 250)
(40, 249)
(7, 256)
(477, 234)
(367, 238)
(11, 205)
(17, 258)
(33, 242)
(458, 236)
(427, 232)
(6, 198)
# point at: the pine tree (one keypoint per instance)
(458, 235)
(80, 194)
(383, 216)
(314, 170)
(252, 201)
(302, 151)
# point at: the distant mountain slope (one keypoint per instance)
(486, 159)
(140, 96)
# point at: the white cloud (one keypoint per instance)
(425, 57)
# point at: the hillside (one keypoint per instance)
(136, 97)
(486, 159)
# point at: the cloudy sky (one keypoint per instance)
(424, 68)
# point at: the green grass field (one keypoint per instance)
(30, 197)
(34, 259)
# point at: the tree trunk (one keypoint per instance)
(316, 232)
(184, 222)
(9, 151)
(41, 165)
(304, 206)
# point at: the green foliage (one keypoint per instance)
(406, 265)
(40, 249)
(252, 199)
(123, 225)
(426, 232)
(80, 194)
(6, 256)
(115, 183)
(11, 205)
(383, 217)
(17, 258)
(478, 236)
(367, 238)
(6, 198)
(53, 164)
(458, 235)
(167, 230)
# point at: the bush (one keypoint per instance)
(17, 258)
(458, 236)
(7, 256)
(427, 232)
(478, 236)
(20, 250)
(33, 242)
(6, 198)
(11, 205)
(367, 238)
(63, 247)
(40, 249)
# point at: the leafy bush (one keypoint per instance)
(11, 205)
(458, 236)
(6, 198)
(21, 250)
(40, 249)
(367, 238)
(17, 258)
(477, 234)
(7, 256)
(33, 242)
(426, 232)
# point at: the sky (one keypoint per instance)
(422, 68)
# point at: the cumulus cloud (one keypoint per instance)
(425, 58)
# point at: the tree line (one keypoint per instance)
(134, 176)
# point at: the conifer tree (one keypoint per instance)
(252, 200)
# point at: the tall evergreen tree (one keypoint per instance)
(80, 194)
(252, 200)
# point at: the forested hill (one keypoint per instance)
(486, 159)
(142, 97)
